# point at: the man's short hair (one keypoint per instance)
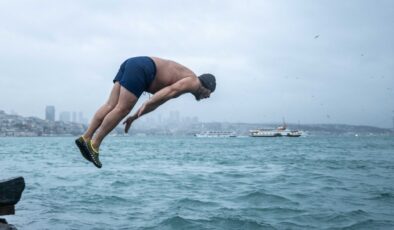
(208, 81)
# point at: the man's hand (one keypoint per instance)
(128, 122)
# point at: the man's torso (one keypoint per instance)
(167, 73)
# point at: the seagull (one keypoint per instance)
(317, 36)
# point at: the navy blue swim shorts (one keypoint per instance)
(136, 74)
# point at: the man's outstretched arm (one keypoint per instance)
(185, 85)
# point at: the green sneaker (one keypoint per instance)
(94, 155)
(83, 148)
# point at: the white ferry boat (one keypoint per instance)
(278, 132)
(216, 134)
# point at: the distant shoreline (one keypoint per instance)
(18, 126)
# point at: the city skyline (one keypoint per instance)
(65, 116)
(173, 124)
(311, 62)
(71, 116)
(176, 118)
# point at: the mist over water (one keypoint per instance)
(197, 183)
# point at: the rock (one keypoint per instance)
(10, 193)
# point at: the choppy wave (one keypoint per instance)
(187, 202)
(261, 198)
(384, 197)
(230, 223)
(371, 224)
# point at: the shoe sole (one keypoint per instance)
(94, 162)
(98, 165)
(83, 153)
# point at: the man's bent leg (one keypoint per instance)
(103, 111)
(125, 104)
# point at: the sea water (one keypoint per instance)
(204, 183)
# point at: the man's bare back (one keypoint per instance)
(167, 73)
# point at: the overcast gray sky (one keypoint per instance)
(309, 61)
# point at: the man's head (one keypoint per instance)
(208, 85)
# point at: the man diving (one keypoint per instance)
(165, 79)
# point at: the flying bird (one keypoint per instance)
(317, 36)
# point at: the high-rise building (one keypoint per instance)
(65, 117)
(74, 117)
(80, 117)
(50, 113)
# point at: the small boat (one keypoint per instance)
(216, 134)
(294, 133)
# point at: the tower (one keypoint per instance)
(64, 116)
(50, 113)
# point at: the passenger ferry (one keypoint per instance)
(281, 131)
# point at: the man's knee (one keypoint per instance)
(124, 110)
(109, 106)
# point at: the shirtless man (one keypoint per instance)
(163, 78)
